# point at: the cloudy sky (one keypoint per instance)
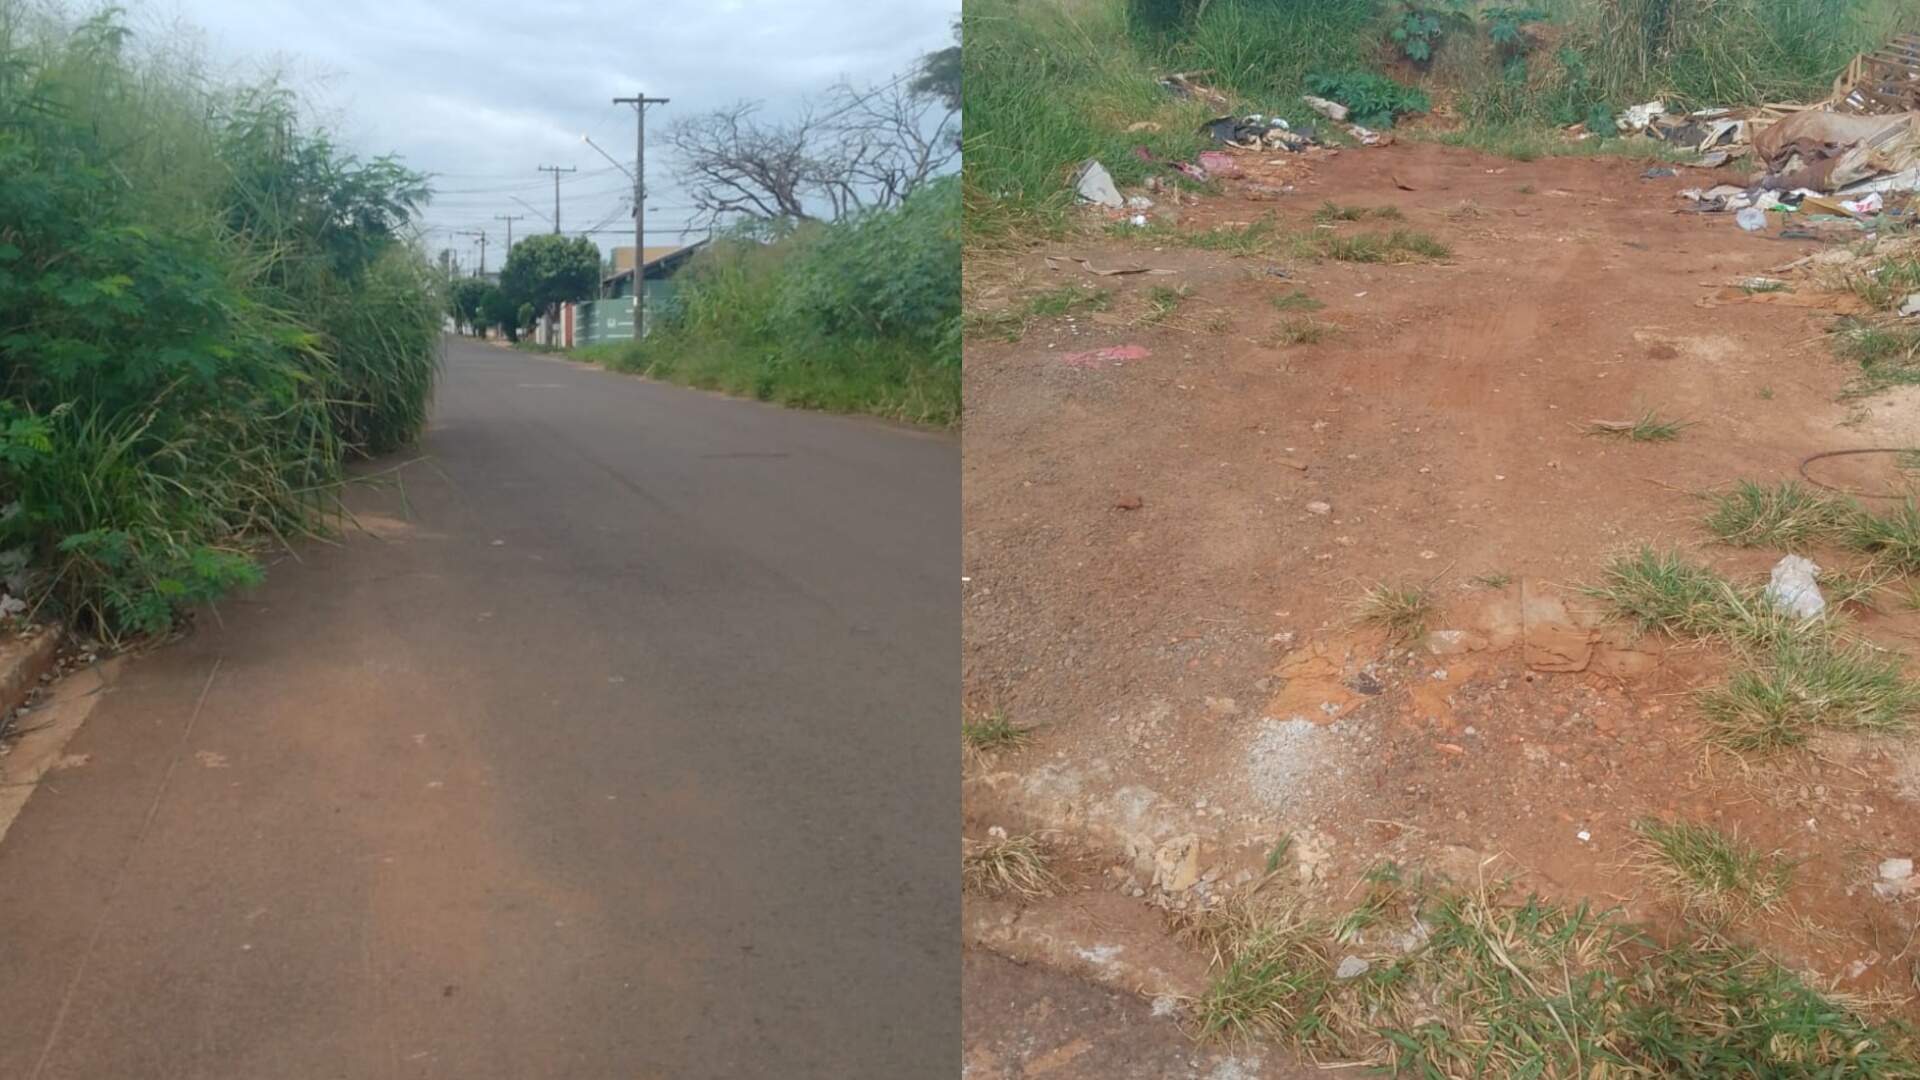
(482, 91)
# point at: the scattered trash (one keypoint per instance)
(1320, 508)
(1911, 305)
(1257, 132)
(1793, 588)
(1752, 219)
(1637, 117)
(1895, 869)
(1830, 151)
(1110, 271)
(1094, 184)
(1110, 355)
(1332, 110)
(1181, 85)
(1583, 836)
(1138, 221)
(1896, 878)
(1711, 161)
(1369, 137)
(1139, 202)
(1221, 164)
(1870, 204)
(1658, 172)
(1351, 967)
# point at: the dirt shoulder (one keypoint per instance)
(1163, 545)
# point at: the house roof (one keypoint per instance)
(660, 257)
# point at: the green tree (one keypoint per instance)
(464, 301)
(498, 309)
(547, 270)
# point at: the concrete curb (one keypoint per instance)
(22, 662)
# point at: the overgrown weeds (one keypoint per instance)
(1709, 872)
(1303, 331)
(1436, 981)
(188, 359)
(858, 315)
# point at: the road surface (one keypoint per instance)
(620, 744)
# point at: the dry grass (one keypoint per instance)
(1003, 866)
(1403, 610)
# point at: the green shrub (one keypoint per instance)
(1376, 100)
(861, 315)
(185, 358)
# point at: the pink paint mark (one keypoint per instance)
(1113, 354)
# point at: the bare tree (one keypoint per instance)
(848, 151)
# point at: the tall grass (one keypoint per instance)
(203, 309)
(861, 315)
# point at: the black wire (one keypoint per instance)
(1811, 458)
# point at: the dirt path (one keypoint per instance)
(1162, 552)
(549, 772)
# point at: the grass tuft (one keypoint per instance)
(1297, 300)
(1003, 866)
(1789, 516)
(994, 732)
(1662, 590)
(1303, 331)
(1397, 246)
(1647, 428)
(1779, 698)
(1163, 301)
(1709, 872)
(1403, 610)
(1330, 212)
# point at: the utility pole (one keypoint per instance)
(640, 102)
(509, 219)
(556, 171)
(482, 234)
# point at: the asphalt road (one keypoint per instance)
(620, 744)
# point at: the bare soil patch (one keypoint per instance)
(1162, 550)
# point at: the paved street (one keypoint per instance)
(620, 743)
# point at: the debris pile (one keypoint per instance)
(1836, 160)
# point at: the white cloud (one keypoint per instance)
(480, 92)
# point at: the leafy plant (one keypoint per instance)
(1375, 100)
(1419, 28)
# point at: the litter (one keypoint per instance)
(1658, 172)
(1332, 110)
(1182, 85)
(1638, 117)
(1257, 133)
(1793, 588)
(1751, 219)
(1116, 271)
(1139, 202)
(1094, 184)
(1911, 305)
(1138, 221)
(1869, 204)
(1221, 164)
(1369, 137)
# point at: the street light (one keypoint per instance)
(604, 154)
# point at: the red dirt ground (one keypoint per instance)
(1146, 586)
